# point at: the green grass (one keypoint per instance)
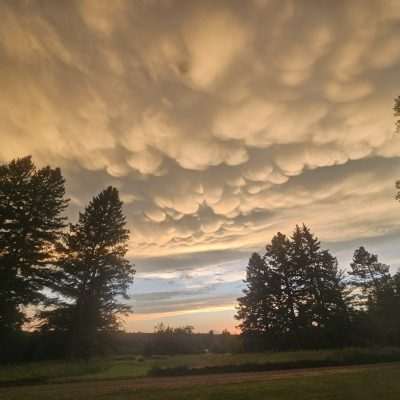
(367, 384)
(49, 370)
(133, 367)
(355, 386)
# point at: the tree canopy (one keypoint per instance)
(92, 276)
(31, 206)
(396, 110)
(294, 294)
(368, 275)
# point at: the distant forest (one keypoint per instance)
(68, 283)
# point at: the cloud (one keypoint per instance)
(296, 64)
(348, 92)
(220, 123)
(213, 40)
(101, 16)
(210, 286)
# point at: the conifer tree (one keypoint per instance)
(368, 275)
(323, 308)
(320, 278)
(294, 294)
(287, 286)
(31, 206)
(256, 306)
(396, 110)
(93, 276)
(383, 312)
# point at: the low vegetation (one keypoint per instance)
(138, 366)
(318, 385)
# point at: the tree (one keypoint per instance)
(257, 308)
(396, 110)
(93, 274)
(368, 275)
(169, 340)
(383, 312)
(31, 206)
(294, 295)
(322, 307)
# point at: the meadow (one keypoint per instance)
(356, 383)
(137, 366)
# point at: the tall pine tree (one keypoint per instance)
(93, 276)
(31, 206)
(287, 288)
(323, 309)
(367, 276)
(383, 312)
(294, 295)
(256, 307)
(396, 110)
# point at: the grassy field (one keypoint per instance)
(370, 383)
(135, 367)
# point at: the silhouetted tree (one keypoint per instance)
(257, 309)
(372, 297)
(321, 301)
(294, 295)
(368, 275)
(169, 340)
(383, 312)
(93, 274)
(31, 206)
(396, 109)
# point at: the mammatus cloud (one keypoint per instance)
(220, 122)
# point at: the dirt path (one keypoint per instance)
(67, 390)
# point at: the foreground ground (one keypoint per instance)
(136, 366)
(366, 382)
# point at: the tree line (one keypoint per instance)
(68, 278)
(297, 297)
(182, 340)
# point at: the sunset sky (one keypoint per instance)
(220, 122)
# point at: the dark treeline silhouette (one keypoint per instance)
(296, 297)
(38, 345)
(71, 279)
(182, 340)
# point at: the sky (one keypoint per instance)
(220, 122)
